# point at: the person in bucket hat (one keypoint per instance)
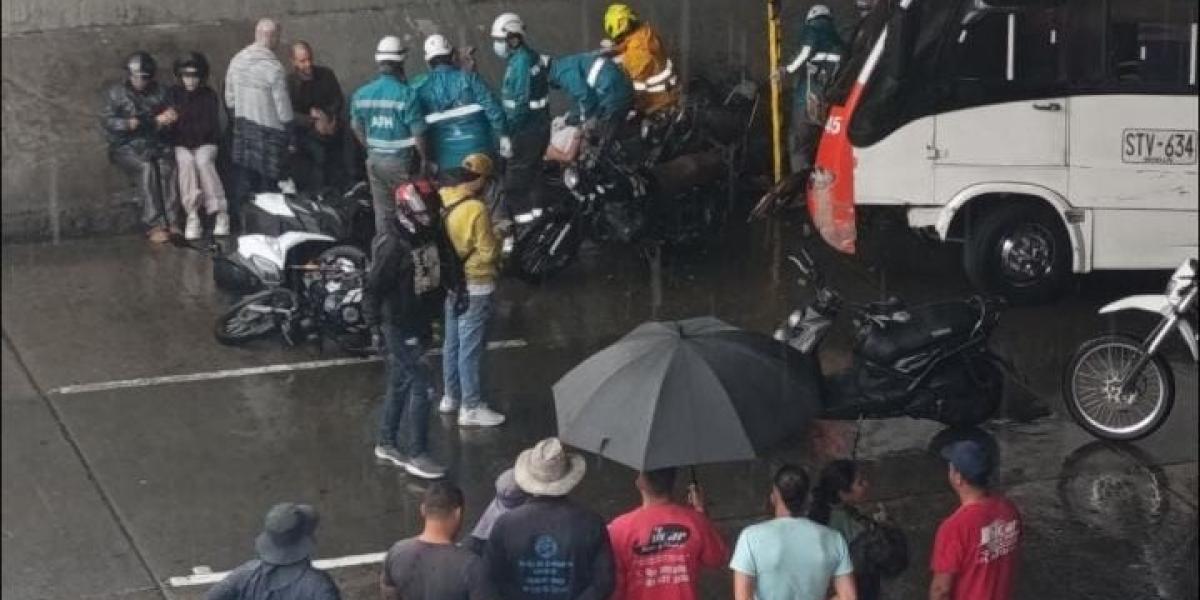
(550, 548)
(284, 566)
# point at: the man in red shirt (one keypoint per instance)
(661, 546)
(975, 551)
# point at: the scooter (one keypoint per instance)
(925, 362)
(1119, 387)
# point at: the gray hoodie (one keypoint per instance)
(256, 88)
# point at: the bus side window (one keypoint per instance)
(1149, 42)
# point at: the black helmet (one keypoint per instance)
(192, 62)
(141, 63)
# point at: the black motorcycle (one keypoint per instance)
(670, 181)
(925, 362)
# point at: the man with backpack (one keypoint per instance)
(468, 226)
(403, 291)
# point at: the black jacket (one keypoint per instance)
(389, 294)
(550, 549)
(322, 91)
(122, 103)
(199, 116)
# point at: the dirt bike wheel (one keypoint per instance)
(1093, 401)
(252, 317)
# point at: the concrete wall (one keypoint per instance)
(58, 56)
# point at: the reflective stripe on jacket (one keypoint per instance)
(463, 115)
(645, 59)
(526, 89)
(387, 112)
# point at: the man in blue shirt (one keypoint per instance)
(463, 115)
(387, 119)
(791, 557)
(525, 94)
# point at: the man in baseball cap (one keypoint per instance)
(975, 550)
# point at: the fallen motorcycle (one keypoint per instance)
(310, 288)
(1119, 387)
(673, 183)
(925, 362)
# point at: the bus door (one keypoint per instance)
(1002, 108)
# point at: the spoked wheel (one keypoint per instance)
(1092, 389)
(548, 247)
(253, 317)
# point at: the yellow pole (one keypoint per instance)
(776, 91)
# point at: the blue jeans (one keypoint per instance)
(462, 351)
(407, 393)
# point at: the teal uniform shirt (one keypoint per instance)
(525, 91)
(463, 115)
(386, 110)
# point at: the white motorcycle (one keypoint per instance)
(1118, 387)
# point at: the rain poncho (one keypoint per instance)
(526, 90)
(644, 58)
(820, 50)
(463, 115)
(597, 85)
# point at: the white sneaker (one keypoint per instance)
(194, 229)
(482, 416)
(448, 406)
(221, 224)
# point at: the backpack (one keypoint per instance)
(881, 548)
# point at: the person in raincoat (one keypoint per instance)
(525, 94)
(599, 89)
(815, 62)
(639, 50)
(463, 115)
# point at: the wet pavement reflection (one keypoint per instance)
(167, 477)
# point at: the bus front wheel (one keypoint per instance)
(1019, 251)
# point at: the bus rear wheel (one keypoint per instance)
(1021, 252)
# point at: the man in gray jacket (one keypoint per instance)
(257, 96)
(136, 119)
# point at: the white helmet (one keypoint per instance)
(437, 45)
(390, 49)
(818, 10)
(507, 23)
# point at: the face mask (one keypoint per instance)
(501, 49)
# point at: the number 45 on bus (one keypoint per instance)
(1045, 136)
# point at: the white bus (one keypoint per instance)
(1047, 137)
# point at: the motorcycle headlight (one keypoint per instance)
(570, 178)
(780, 335)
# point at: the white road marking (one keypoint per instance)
(201, 577)
(141, 382)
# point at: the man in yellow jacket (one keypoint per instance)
(640, 52)
(469, 226)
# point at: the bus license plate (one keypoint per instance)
(1159, 146)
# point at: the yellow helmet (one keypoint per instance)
(479, 164)
(618, 20)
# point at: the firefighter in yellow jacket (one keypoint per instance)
(639, 50)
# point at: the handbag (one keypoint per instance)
(881, 548)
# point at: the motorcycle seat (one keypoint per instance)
(928, 326)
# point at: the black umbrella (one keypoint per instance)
(686, 393)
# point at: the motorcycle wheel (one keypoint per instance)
(1091, 389)
(253, 317)
(548, 247)
(982, 388)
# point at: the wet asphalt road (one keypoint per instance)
(109, 493)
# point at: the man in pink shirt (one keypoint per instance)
(975, 551)
(661, 546)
